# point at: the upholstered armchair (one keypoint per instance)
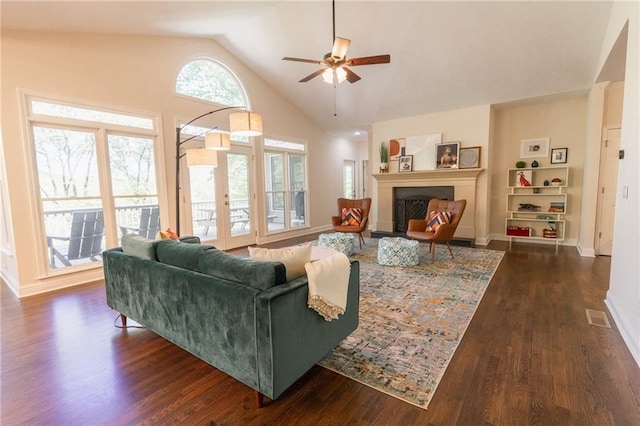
(438, 227)
(353, 216)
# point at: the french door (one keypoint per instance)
(222, 200)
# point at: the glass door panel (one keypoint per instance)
(238, 198)
(203, 202)
(349, 179)
(70, 192)
(297, 189)
(133, 184)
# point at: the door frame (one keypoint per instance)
(601, 180)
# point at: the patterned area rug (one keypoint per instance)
(412, 319)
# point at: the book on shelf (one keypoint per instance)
(556, 206)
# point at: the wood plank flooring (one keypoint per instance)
(528, 357)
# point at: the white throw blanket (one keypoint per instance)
(328, 285)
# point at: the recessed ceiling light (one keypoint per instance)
(357, 133)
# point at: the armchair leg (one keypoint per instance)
(433, 252)
(360, 240)
(450, 251)
(259, 399)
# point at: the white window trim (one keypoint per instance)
(29, 120)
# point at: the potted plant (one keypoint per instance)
(384, 158)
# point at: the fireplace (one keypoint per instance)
(411, 203)
(463, 181)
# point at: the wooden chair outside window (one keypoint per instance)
(83, 242)
(149, 223)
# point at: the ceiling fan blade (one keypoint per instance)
(310, 76)
(351, 76)
(369, 60)
(340, 46)
(311, 61)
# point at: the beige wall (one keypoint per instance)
(623, 297)
(134, 73)
(613, 97)
(564, 122)
(469, 126)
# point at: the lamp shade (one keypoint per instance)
(201, 157)
(217, 141)
(245, 123)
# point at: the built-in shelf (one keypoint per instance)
(537, 194)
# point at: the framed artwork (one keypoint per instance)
(406, 163)
(524, 178)
(534, 148)
(447, 155)
(396, 149)
(559, 155)
(469, 157)
(423, 151)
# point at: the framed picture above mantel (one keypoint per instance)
(469, 157)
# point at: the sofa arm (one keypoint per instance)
(292, 338)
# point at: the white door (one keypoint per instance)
(222, 200)
(349, 179)
(365, 174)
(238, 198)
(607, 191)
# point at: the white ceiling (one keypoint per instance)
(444, 55)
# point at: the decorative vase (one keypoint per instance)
(534, 164)
(384, 167)
(521, 164)
(546, 182)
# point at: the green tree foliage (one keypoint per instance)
(206, 79)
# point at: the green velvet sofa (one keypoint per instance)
(237, 314)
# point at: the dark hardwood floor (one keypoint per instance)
(528, 357)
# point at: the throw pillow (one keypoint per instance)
(436, 219)
(169, 234)
(139, 246)
(351, 216)
(293, 258)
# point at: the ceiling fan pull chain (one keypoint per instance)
(335, 102)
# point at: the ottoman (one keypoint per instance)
(339, 241)
(398, 252)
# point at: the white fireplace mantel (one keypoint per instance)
(463, 181)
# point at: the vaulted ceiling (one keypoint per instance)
(444, 55)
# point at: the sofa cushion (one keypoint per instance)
(253, 273)
(139, 246)
(294, 258)
(182, 255)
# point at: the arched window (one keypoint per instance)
(211, 81)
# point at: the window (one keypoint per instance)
(210, 81)
(285, 184)
(77, 189)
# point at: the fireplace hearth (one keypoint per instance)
(411, 203)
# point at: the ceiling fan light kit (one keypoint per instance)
(335, 63)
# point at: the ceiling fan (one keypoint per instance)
(335, 63)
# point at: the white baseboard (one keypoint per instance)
(11, 283)
(483, 241)
(584, 252)
(294, 233)
(626, 336)
(60, 282)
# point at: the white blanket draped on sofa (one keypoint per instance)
(328, 284)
